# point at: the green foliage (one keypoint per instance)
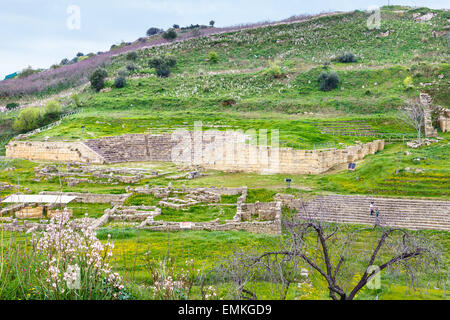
(408, 81)
(347, 57)
(132, 55)
(162, 65)
(152, 31)
(131, 67)
(12, 105)
(27, 72)
(170, 35)
(120, 82)
(328, 81)
(76, 99)
(274, 70)
(213, 57)
(53, 107)
(97, 79)
(28, 119)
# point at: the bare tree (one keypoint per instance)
(339, 253)
(413, 114)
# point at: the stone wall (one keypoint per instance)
(219, 150)
(444, 121)
(267, 227)
(52, 151)
(30, 213)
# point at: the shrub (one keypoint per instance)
(328, 81)
(131, 67)
(408, 81)
(65, 61)
(123, 72)
(76, 100)
(132, 55)
(155, 62)
(176, 26)
(120, 82)
(163, 71)
(75, 264)
(12, 105)
(28, 119)
(80, 54)
(274, 70)
(97, 79)
(347, 57)
(213, 57)
(171, 61)
(152, 31)
(162, 65)
(27, 72)
(52, 109)
(170, 35)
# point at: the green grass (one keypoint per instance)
(210, 248)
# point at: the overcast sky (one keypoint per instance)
(42, 32)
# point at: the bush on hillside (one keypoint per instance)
(120, 82)
(328, 81)
(213, 57)
(171, 61)
(97, 79)
(52, 109)
(76, 99)
(274, 70)
(132, 55)
(152, 31)
(28, 119)
(163, 71)
(408, 82)
(347, 57)
(131, 67)
(12, 105)
(123, 72)
(170, 35)
(27, 72)
(162, 65)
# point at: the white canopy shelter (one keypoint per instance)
(38, 198)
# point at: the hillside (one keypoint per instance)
(241, 80)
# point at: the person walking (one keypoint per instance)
(372, 208)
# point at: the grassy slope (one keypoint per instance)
(197, 88)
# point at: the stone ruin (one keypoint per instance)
(6, 186)
(215, 150)
(75, 173)
(178, 198)
(133, 213)
(253, 217)
(444, 120)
